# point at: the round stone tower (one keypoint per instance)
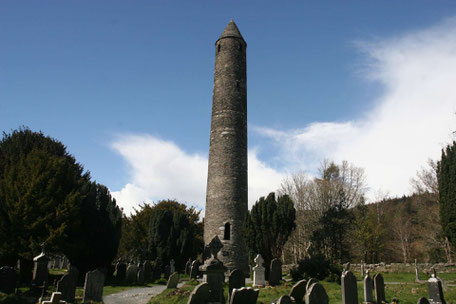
(226, 196)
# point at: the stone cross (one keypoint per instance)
(258, 272)
(55, 299)
(214, 272)
(368, 286)
(349, 287)
(435, 289)
(236, 280)
(298, 291)
(7, 279)
(200, 294)
(379, 286)
(93, 286)
(244, 295)
(317, 295)
(276, 272)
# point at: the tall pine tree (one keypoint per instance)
(446, 173)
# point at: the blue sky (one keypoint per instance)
(127, 87)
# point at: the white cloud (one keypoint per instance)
(159, 169)
(411, 121)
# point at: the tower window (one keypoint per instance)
(227, 233)
(218, 48)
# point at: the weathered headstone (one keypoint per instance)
(147, 270)
(64, 263)
(349, 288)
(285, 300)
(310, 282)
(423, 300)
(317, 295)
(140, 277)
(379, 286)
(74, 272)
(67, 286)
(214, 272)
(362, 268)
(55, 262)
(298, 291)
(167, 272)
(7, 279)
(93, 286)
(132, 272)
(199, 295)
(121, 271)
(55, 299)
(236, 280)
(173, 280)
(194, 271)
(417, 273)
(258, 272)
(40, 270)
(188, 266)
(157, 269)
(435, 289)
(172, 268)
(276, 272)
(244, 296)
(368, 286)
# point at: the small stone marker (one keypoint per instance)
(379, 286)
(349, 288)
(173, 280)
(171, 266)
(258, 272)
(310, 282)
(194, 271)
(368, 286)
(244, 295)
(276, 272)
(121, 271)
(132, 272)
(188, 266)
(67, 286)
(7, 279)
(93, 286)
(55, 299)
(423, 300)
(298, 291)
(435, 289)
(417, 273)
(200, 294)
(285, 300)
(236, 280)
(316, 295)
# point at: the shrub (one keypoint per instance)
(317, 267)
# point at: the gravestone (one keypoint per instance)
(435, 289)
(368, 286)
(284, 300)
(417, 273)
(132, 272)
(173, 280)
(379, 286)
(423, 300)
(167, 272)
(349, 288)
(188, 266)
(236, 280)
(121, 271)
(157, 269)
(171, 266)
(258, 272)
(55, 262)
(362, 268)
(214, 272)
(194, 272)
(74, 272)
(55, 299)
(67, 286)
(244, 295)
(147, 270)
(276, 272)
(141, 278)
(200, 294)
(317, 295)
(40, 270)
(298, 291)
(64, 262)
(7, 279)
(93, 286)
(310, 282)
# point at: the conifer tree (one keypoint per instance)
(446, 173)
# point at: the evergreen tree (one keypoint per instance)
(268, 226)
(446, 173)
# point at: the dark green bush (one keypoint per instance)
(317, 267)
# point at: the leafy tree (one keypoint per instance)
(268, 226)
(446, 173)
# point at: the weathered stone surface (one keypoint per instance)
(276, 272)
(7, 279)
(40, 270)
(188, 266)
(298, 291)
(121, 271)
(67, 286)
(167, 272)
(93, 286)
(214, 272)
(310, 282)
(140, 276)
(132, 272)
(199, 295)
(236, 280)
(368, 289)
(258, 272)
(194, 271)
(435, 290)
(226, 197)
(349, 288)
(379, 286)
(55, 299)
(423, 300)
(173, 280)
(317, 295)
(244, 296)
(171, 266)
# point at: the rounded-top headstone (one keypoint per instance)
(298, 291)
(317, 295)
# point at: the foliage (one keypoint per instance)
(318, 267)
(46, 197)
(446, 172)
(268, 226)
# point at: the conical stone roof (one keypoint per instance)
(231, 31)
